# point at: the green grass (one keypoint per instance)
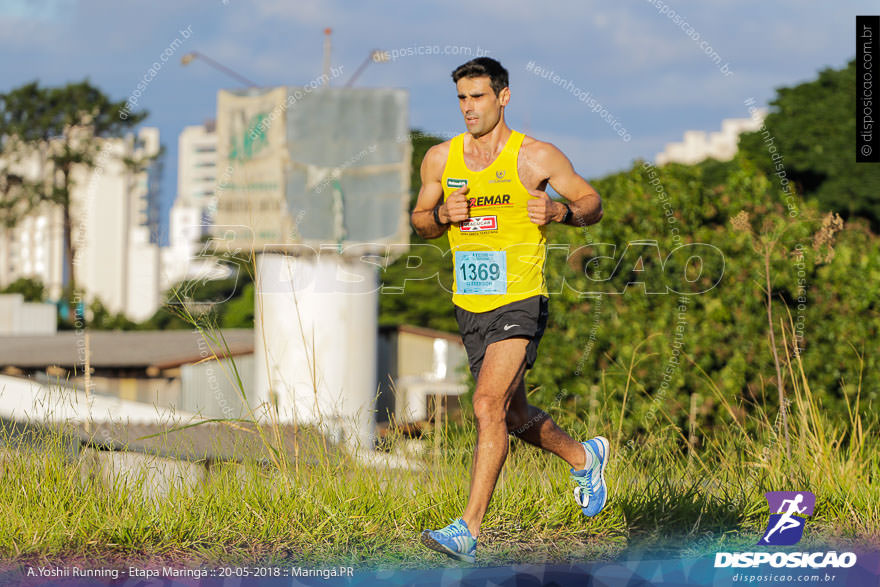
(320, 505)
(335, 510)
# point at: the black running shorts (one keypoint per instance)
(525, 318)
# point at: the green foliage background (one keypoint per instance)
(605, 352)
(813, 125)
(726, 333)
(598, 348)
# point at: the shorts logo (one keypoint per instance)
(479, 223)
(452, 182)
(788, 511)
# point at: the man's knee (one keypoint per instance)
(488, 411)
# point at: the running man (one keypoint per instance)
(485, 188)
(787, 521)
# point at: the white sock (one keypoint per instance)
(589, 462)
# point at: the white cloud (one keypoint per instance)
(23, 10)
(301, 12)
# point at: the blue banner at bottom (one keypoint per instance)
(838, 568)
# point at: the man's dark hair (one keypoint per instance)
(481, 67)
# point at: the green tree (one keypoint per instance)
(103, 319)
(63, 128)
(227, 302)
(239, 311)
(32, 289)
(597, 346)
(812, 127)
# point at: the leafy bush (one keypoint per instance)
(646, 351)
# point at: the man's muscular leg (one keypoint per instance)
(500, 375)
(501, 407)
(536, 427)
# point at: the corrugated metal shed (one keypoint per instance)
(160, 349)
(212, 390)
(207, 442)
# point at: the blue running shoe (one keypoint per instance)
(590, 492)
(455, 540)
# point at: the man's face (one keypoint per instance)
(479, 104)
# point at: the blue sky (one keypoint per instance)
(646, 65)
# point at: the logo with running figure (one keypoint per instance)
(788, 512)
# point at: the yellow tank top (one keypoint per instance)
(498, 253)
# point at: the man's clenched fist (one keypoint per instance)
(456, 208)
(541, 209)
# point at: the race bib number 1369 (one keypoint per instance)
(481, 272)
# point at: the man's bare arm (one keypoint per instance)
(430, 196)
(583, 199)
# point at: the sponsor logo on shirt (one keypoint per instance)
(496, 200)
(499, 177)
(479, 224)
